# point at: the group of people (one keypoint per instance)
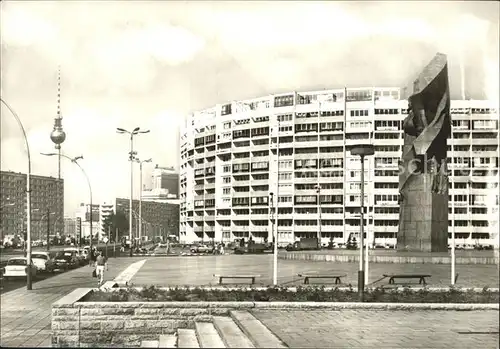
(99, 262)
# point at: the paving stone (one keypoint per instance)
(382, 329)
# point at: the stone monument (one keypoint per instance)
(423, 176)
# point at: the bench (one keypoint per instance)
(337, 277)
(420, 277)
(252, 277)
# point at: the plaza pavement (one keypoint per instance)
(383, 329)
(199, 270)
(25, 317)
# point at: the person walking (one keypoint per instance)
(93, 256)
(101, 263)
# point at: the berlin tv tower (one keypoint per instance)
(58, 135)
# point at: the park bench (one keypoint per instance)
(337, 277)
(221, 277)
(420, 277)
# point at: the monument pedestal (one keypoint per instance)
(423, 223)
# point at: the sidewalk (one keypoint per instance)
(26, 315)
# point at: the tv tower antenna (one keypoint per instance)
(58, 135)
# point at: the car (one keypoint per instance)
(17, 267)
(65, 260)
(43, 261)
(201, 249)
(81, 256)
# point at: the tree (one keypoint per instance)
(116, 221)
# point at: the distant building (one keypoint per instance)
(47, 196)
(83, 212)
(158, 218)
(164, 184)
(70, 227)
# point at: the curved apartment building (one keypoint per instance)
(242, 160)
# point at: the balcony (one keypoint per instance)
(240, 217)
(261, 217)
(209, 185)
(243, 194)
(306, 228)
(209, 196)
(385, 229)
(260, 158)
(331, 143)
(198, 197)
(259, 193)
(242, 183)
(260, 147)
(199, 186)
(198, 229)
(259, 228)
(209, 218)
(240, 229)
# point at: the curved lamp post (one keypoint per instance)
(132, 133)
(140, 195)
(28, 197)
(75, 161)
(362, 150)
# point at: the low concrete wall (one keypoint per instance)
(102, 324)
(353, 258)
(76, 323)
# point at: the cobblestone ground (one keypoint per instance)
(383, 329)
(169, 271)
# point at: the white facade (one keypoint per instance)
(229, 167)
(101, 211)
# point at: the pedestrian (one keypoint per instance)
(101, 263)
(93, 256)
(221, 248)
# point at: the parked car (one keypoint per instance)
(17, 267)
(81, 256)
(65, 260)
(43, 261)
(201, 249)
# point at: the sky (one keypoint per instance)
(149, 64)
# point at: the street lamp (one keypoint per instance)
(75, 161)
(46, 214)
(362, 150)
(140, 196)
(28, 197)
(132, 133)
(318, 192)
(271, 205)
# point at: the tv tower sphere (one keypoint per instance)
(58, 136)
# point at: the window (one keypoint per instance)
(362, 112)
(285, 117)
(227, 125)
(226, 180)
(226, 191)
(331, 126)
(306, 128)
(386, 111)
(285, 176)
(226, 109)
(226, 168)
(362, 95)
(332, 113)
(283, 101)
(284, 199)
(260, 131)
(286, 128)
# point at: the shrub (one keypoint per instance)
(300, 294)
